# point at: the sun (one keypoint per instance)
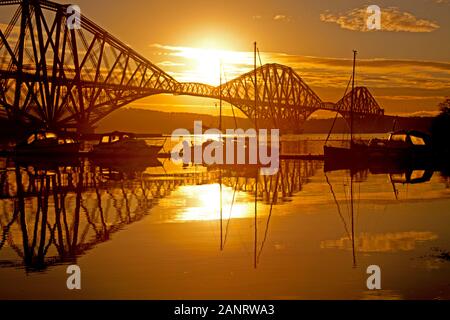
(206, 65)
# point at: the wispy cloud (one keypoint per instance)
(392, 19)
(398, 85)
(281, 17)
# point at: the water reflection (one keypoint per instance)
(207, 205)
(400, 178)
(55, 213)
(386, 242)
(59, 213)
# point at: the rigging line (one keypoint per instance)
(238, 230)
(407, 189)
(346, 200)
(220, 169)
(267, 89)
(337, 205)
(359, 198)
(220, 100)
(232, 106)
(221, 209)
(393, 187)
(229, 215)
(269, 217)
(255, 246)
(337, 113)
(353, 223)
(234, 117)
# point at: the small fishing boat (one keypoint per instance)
(123, 144)
(48, 143)
(401, 145)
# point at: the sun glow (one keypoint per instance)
(204, 64)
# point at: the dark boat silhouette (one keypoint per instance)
(405, 147)
(123, 144)
(47, 144)
(401, 145)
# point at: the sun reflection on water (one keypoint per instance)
(206, 204)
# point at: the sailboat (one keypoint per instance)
(238, 148)
(356, 153)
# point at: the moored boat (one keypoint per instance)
(48, 143)
(123, 144)
(400, 146)
(355, 155)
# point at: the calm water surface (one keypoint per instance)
(143, 230)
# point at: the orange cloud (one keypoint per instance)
(282, 17)
(398, 85)
(392, 19)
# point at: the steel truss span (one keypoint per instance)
(56, 77)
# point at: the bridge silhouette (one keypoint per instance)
(54, 76)
(57, 213)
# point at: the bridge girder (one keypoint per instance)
(364, 103)
(284, 100)
(57, 77)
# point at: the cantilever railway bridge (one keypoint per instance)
(56, 77)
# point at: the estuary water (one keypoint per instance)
(157, 230)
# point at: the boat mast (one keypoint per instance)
(352, 98)
(353, 218)
(220, 171)
(256, 86)
(220, 98)
(255, 262)
(351, 145)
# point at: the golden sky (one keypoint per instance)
(405, 65)
(399, 85)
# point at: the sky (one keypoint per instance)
(405, 65)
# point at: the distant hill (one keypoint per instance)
(381, 125)
(149, 121)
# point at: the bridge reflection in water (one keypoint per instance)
(54, 213)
